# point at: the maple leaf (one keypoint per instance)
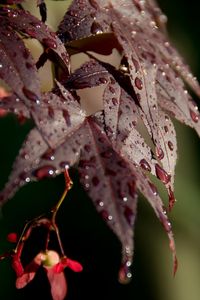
(113, 155)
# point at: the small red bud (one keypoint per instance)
(12, 237)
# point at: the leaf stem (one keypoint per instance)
(68, 186)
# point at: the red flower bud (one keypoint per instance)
(12, 237)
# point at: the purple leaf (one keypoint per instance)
(120, 111)
(178, 103)
(17, 67)
(83, 18)
(88, 75)
(112, 188)
(23, 21)
(58, 118)
(14, 105)
(27, 160)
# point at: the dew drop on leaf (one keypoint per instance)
(30, 95)
(66, 116)
(128, 213)
(45, 171)
(95, 181)
(153, 188)
(125, 274)
(50, 43)
(96, 28)
(138, 83)
(194, 116)
(170, 145)
(159, 153)
(161, 174)
(145, 165)
(171, 198)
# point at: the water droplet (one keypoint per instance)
(64, 164)
(194, 116)
(166, 224)
(125, 199)
(125, 274)
(66, 116)
(26, 53)
(45, 171)
(85, 164)
(145, 165)
(73, 13)
(162, 174)
(100, 203)
(23, 176)
(87, 148)
(170, 145)
(114, 101)
(123, 68)
(166, 118)
(103, 80)
(132, 189)
(50, 43)
(166, 129)
(96, 28)
(159, 153)
(50, 112)
(110, 172)
(95, 181)
(128, 214)
(153, 188)
(31, 32)
(111, 89)
(94, 4)
(172, 199)
(28, 65)
(105, 215)
(49, 155)
(30, 95)
(138, 83)
(1, 66)
(107, 154)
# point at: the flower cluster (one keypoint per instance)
(53, 263)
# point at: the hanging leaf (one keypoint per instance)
(23, 22)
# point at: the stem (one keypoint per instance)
(68, 186)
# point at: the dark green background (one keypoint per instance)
(86, 237)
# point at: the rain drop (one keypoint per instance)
(95, 181)
(145, 165)
(153, 188)
(172, 199)
(162, 174)
(159, 153)
(96, 28)
(30, 95)
(45, 171)
(66, 116)
(170, 145)
(114, 101)
(194, 116)
(64, 164)
(125, 274)
(128, 214)
(138, 83)
(49, 155)
(50, 43)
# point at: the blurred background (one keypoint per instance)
(86, 237)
